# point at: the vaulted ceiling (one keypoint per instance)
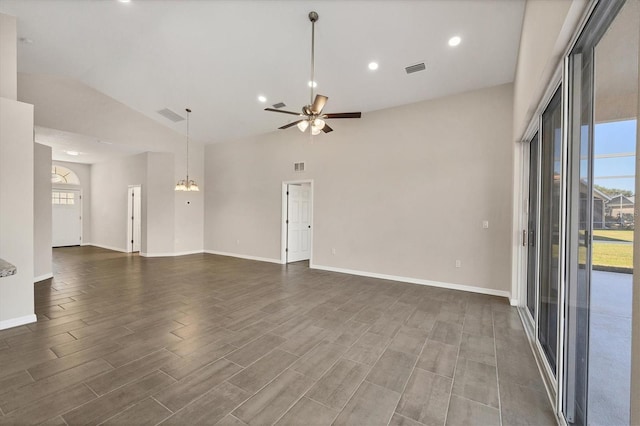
(217, 57)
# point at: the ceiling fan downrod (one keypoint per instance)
(313, 17)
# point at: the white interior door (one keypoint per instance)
(299, 222)
(66, 217)
(134, 211)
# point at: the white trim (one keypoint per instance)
(243, 256)
(179, 253)
(451, 286)
(107, 247)
(42, 277)
(513, 302)
(15, 322)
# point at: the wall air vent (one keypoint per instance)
(170, 115)
(298, 167)
(279, 105)
(415, 68)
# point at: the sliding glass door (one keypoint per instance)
(580, 220)
(550, 227)
(531, 233)
(579, 230)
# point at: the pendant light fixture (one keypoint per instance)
(186, 184)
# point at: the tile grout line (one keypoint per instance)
(170, 410)
(495, 352)
(464, 319)
(413, 369)
(315, 381)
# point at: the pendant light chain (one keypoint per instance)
(188, 113)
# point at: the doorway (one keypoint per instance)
(297, 218)
(134, 216)
(66, 217)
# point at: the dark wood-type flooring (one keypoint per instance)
(205, 339)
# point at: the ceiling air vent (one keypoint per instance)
(170, 115)
(279, 105)
(415, 68)
(298, 167)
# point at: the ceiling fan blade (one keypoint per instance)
(286, 126)
(318, 104)
(282, 111)
(327, 129)
(344, 115)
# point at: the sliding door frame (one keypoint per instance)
(561, 78)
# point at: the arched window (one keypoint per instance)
(60, 174)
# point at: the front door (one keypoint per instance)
(66, 218)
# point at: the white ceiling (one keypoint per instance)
(89, 149)
(216, 57)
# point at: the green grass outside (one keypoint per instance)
(607, 254)
(613, 235)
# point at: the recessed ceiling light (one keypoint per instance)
(124, 1)
(454, 41)
(262, 99)
(314, 83)
(74, 153)
(373, 66)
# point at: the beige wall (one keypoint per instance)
(109, 185)
(546, 31)
(8, 53)
(16, 201)
(110, 181)
(157, 198)
(42, 226)
(401, 192)
(16, 211)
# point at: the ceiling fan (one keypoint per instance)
(312, 115)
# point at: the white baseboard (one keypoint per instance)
(106, 247)
(15, 322)
(450, 286)
(513, 302)
(179, 253)
(243, 256)
(42, 277)
(186, 253)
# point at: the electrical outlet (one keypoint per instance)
(333, 251)
(238, 242)
(485, 224)
(458, 263)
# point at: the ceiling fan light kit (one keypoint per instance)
(187, 184)
(312, 116)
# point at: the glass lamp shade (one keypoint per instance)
(318, 123)
(315, 131)
(303, 125)
(192, 186)
(184, 185)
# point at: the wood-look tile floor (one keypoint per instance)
(205, 339)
